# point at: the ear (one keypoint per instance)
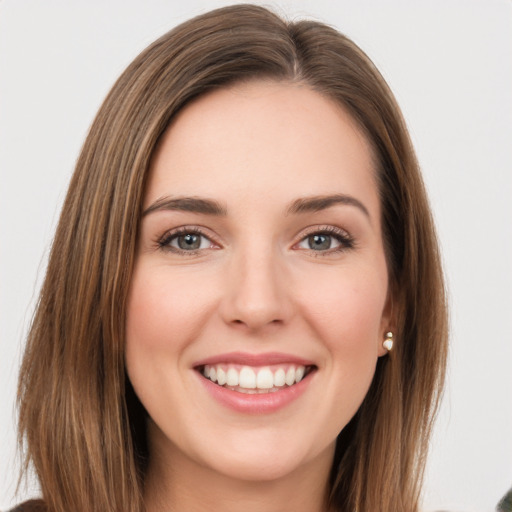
(388, 322)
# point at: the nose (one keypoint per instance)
(257, 294)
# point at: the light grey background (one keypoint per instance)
(449, 63)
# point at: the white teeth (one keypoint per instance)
(232, 377)
(221, 377)
(279, 378)
(254, 380)
(290, 376)
(247, 378)
(265, 379)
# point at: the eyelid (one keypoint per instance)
(346, 240)
(163, 241)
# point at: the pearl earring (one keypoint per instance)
(388, 341)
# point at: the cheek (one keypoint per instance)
(163, 311)
(345, 309)
(164, 315)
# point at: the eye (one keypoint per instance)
(326, 240)
(185, 240)
(319, 242)
(189, 242)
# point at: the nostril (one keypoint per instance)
(254, 324)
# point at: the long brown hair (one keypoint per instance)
(79, 421)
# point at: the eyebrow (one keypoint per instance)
(211, 207)
(317, 203)
(187, 204)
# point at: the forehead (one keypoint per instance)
(265, 139)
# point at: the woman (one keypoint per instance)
(244, 304)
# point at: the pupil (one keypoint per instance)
(319, 242)
(189, 241)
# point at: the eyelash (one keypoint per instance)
(345, 240)
(164, 242)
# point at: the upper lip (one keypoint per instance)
(247, 359)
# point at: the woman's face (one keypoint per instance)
(260, 263)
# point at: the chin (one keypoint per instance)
(263, 460)
(263, 469)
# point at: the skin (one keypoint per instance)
(255, 285)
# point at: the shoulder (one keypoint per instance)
(30, 506)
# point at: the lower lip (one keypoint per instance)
(258, 403)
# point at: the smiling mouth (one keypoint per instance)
(255, 380)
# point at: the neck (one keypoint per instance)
(185, 485)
